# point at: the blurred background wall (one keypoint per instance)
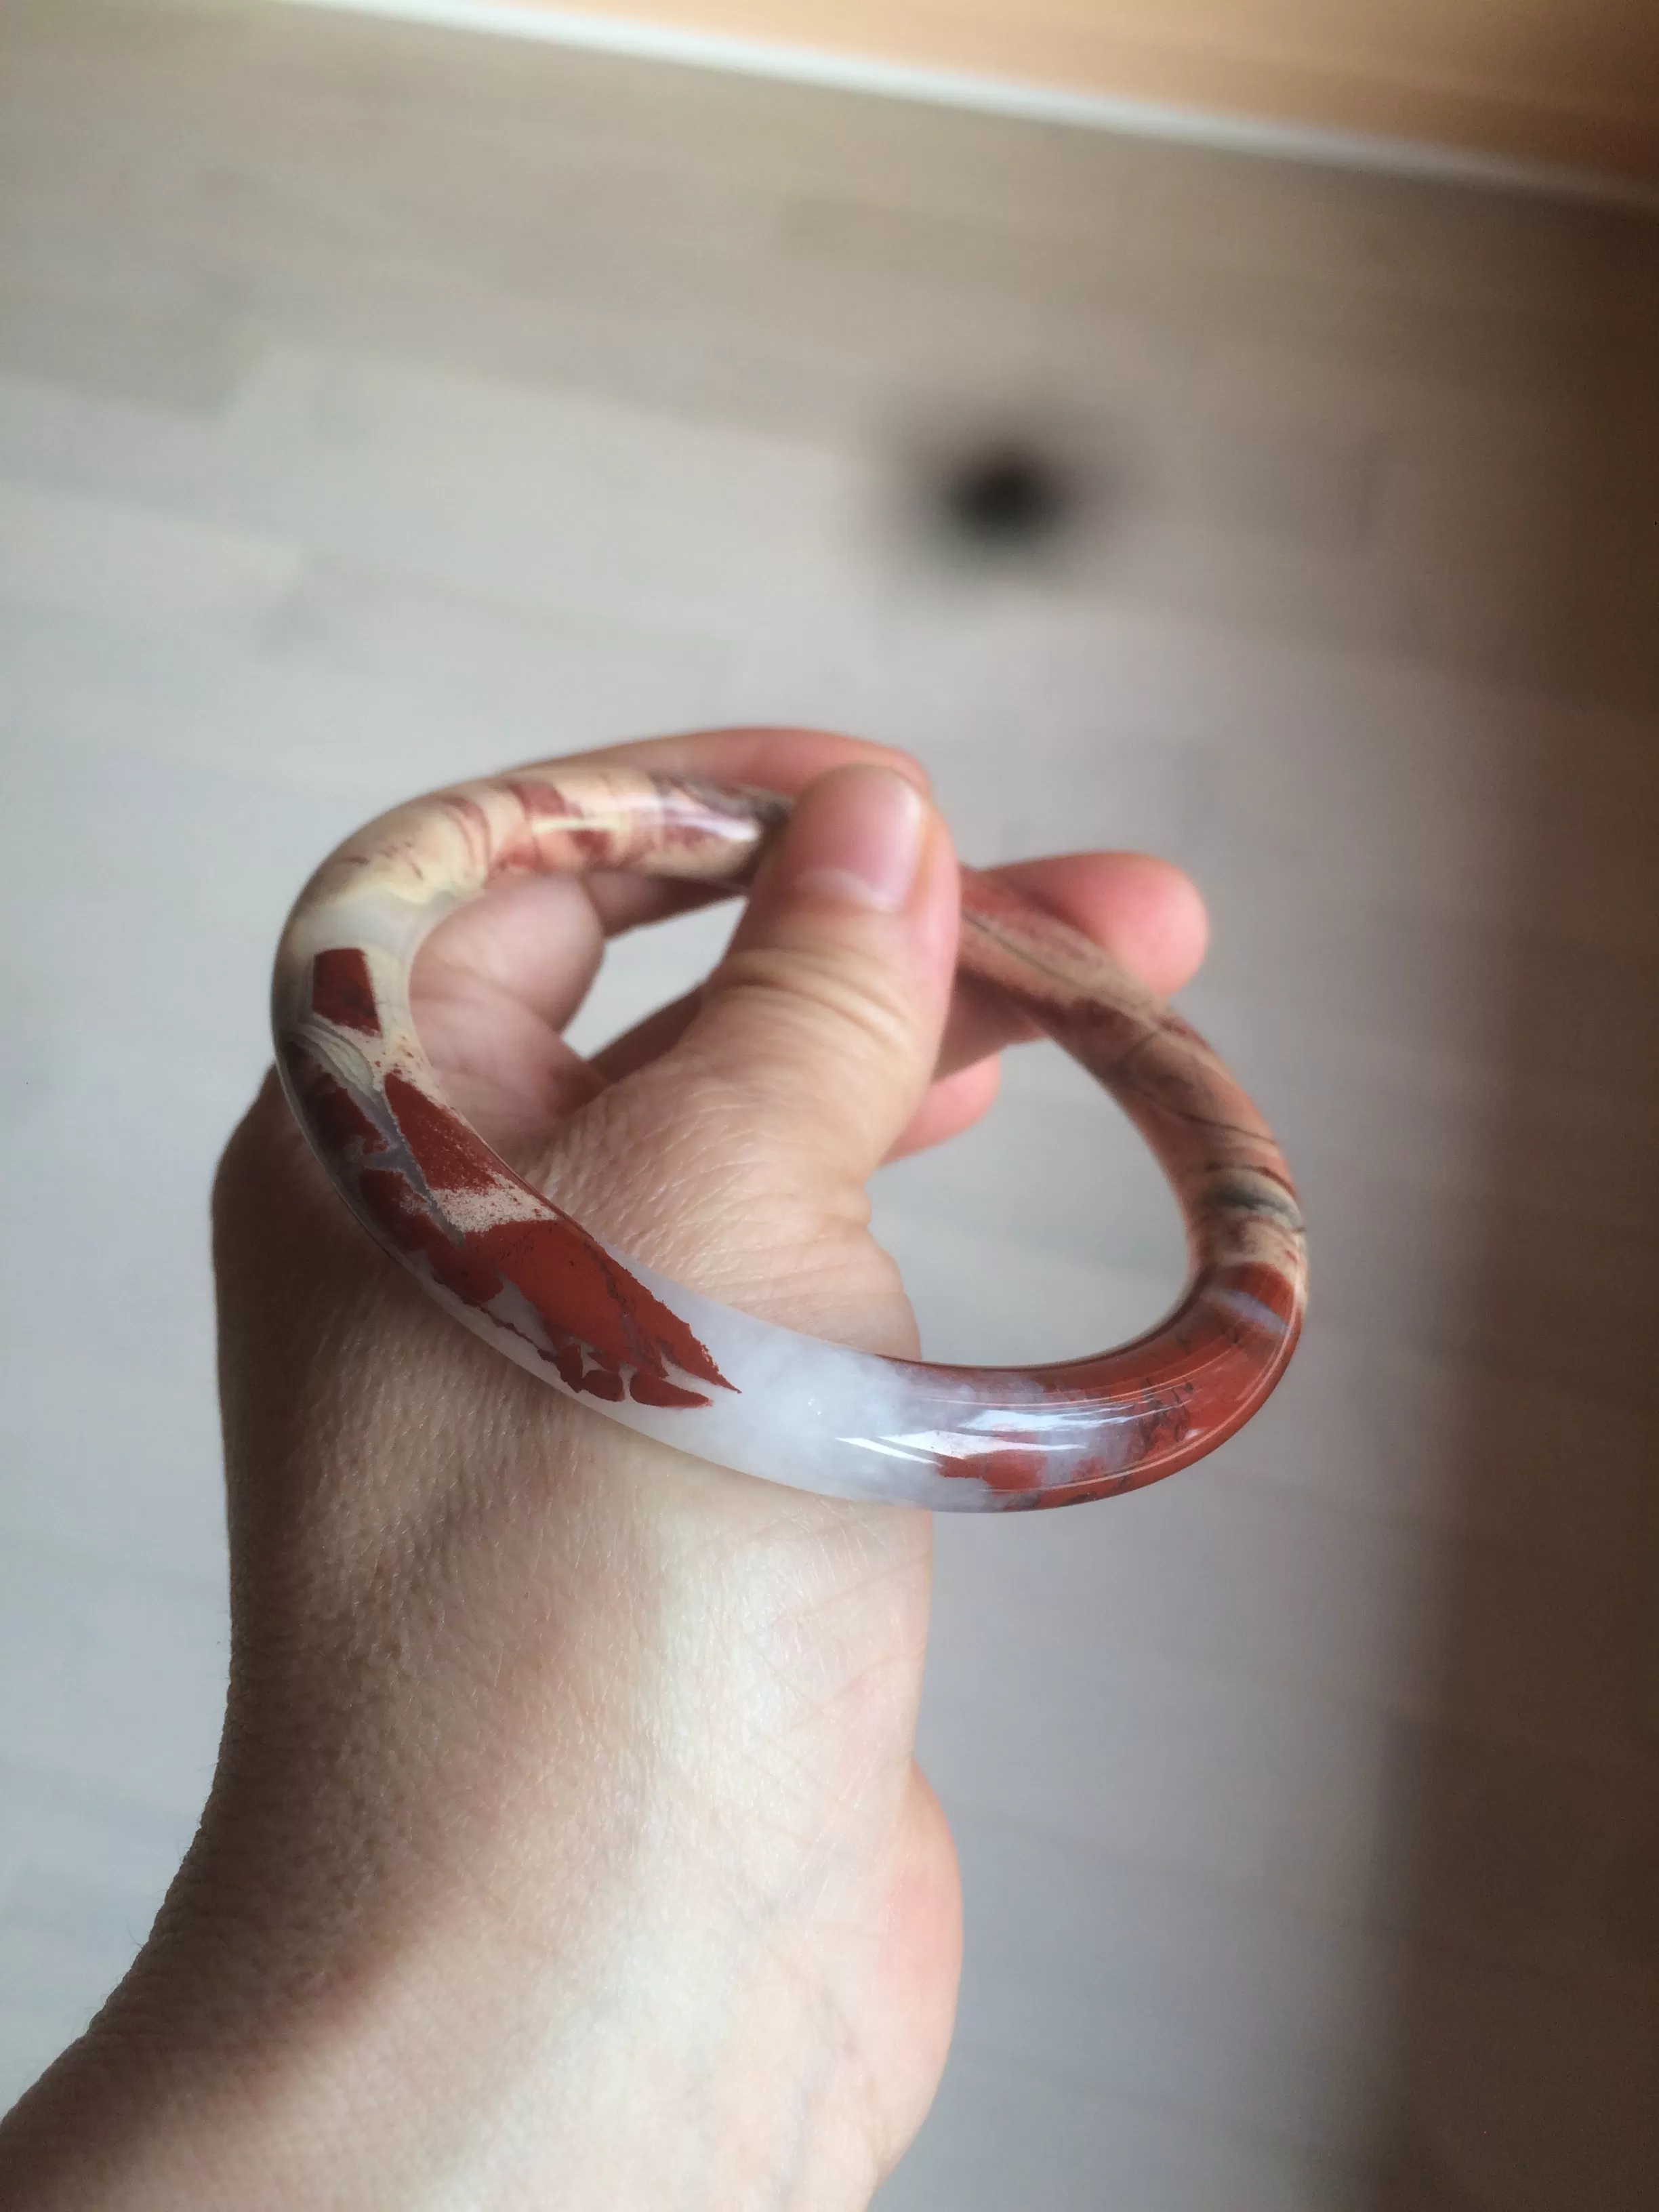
(379, 403)
(1569, 81)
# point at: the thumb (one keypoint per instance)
(736, 1162)
(824, 1018)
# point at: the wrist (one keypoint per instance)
(465, 2057)
(596, 1902)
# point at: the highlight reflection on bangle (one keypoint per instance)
(515, 1269)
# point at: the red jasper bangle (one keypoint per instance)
(511, 1267)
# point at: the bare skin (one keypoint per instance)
(567, 1848)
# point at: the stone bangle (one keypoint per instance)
(516, 1270)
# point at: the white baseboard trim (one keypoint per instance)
(947, 88)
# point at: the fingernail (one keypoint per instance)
(855, 837)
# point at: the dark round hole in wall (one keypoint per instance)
(1008, 496)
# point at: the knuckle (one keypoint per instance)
(854, 1003)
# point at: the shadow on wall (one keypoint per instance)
(1526, 1854)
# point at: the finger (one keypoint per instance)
(950, 1105)
(531, 938)
(498, 980)
(647, 1040)
(822, 1023)
(491, 992)
(1146, 912)
(955, 1099)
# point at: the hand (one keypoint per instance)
(567, 1846)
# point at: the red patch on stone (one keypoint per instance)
(341, 991)
(394, 1208)
(1009, 1469)
(579, 1291)
(447, 1151)
(582, 1296)
(649, 1390)
(334, 1114)
(541, 802)
(545, 804)
(397, 1211)
(337, 1118)
(1267, 1286)
(600, 1382)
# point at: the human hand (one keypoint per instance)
(567, 1846)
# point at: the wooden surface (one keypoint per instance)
(1567, 81)
(378, 405)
